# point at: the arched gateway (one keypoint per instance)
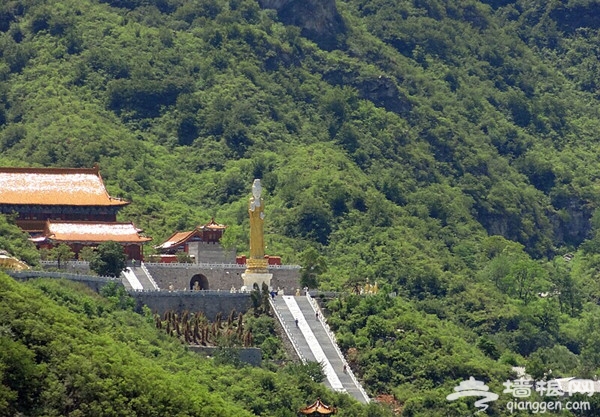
(199, 282)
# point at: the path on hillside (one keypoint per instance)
(313, 341)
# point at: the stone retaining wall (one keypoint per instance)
(94, 282)
(210, 253)
(218, 277)
(209, 303)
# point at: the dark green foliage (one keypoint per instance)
(109, 259)
(20, 378)
(143, 97)
(312, 221)
(61, 254)
(313, 264)
(445, 150)
(67, 351)
(15, 242)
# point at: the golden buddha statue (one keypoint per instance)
(256, 262)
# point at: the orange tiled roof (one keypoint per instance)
(179, 238)
(176, 239)
(212, 225)
(66, 231)
(55, 186)
(318, 408)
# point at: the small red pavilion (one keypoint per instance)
(211, 232)
(318, 409)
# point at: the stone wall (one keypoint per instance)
(179, 276)
(75, 267)
(218, 276)
(208, 302)
(211, 253)
(94, 282)
(285, 279)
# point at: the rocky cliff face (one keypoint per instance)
(318, 19)
(381, 90)
(574, 225)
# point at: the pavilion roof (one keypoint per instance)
(179, 238)
(176, 239)
(88, 232)
(55, 186)
(318, 409)
(212, 225)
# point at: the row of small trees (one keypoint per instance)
(197, 329)
(107, 259)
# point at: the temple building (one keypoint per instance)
(40, 194)
(80, 234)
(66, 205)
(202, 244)
(211, 232)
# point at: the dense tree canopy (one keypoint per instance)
(445, 150)
(67, 351)
(16, 243)
(108, 259)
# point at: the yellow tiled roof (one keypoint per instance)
(55, 186)
(67, 231)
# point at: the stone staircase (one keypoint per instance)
(313, 341)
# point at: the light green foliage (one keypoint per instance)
(445, 150)
(117, 295)
(14, 241)
(66, 350)
(184, 257)
(265, 337)
(311, 370)
(86, 253)
(61, 253)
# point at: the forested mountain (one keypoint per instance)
(445, 150)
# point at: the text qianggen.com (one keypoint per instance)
(543, 406)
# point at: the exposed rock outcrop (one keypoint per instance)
(318, 19)
(380, 90)
(574, 225)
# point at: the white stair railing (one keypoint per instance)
(333, 339)
(149, 276)
(287, 331)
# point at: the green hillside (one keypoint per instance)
(446, 151)
(66, 351)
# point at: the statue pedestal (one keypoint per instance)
(251, 278)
